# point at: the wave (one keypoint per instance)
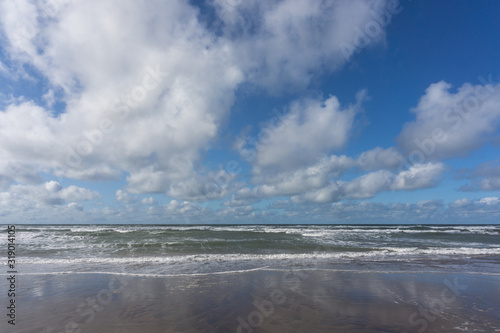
(381, 253)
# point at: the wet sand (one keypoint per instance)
(257, 301)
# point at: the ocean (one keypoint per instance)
(170, 250)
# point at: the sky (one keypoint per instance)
(242, 111)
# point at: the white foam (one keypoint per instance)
(384, 252)
(264, 268)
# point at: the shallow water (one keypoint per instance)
(260, 301)
(191, 249)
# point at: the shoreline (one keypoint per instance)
(260, 269)
(262, 300)
(207, 266)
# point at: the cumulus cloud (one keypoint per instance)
(481, 210)
(124, 197)
(146, 103)
(302, 179)
(53, 186)
(214, 185)
(425, 211)
(329, 193)
(148, 201)
(308, 132)
(379, 158)
(363, 187)
(449, 124)
(49, 193)
(243, 197)
(283, 44)
(146, 99)
(12, 172)
(485, 177)
(75, 206)
(28, 137)
(419, 176)
(490, 201)
(293, 160)
(184, 211)
(236, 212)
(49, 98)
(321, 183)
(352, 211)
(368, 185)
(315, 180)
(3, 69)
(461, 203)
(280, 204)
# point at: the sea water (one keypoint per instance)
(169, 250)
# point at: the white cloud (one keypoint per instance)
(490, 201)
(148, 201)
(49, 98)
(75, 193)
(16, 172)
(20, 25)
(124, 197)
(109, 211)
(49, 193)
(308, 132)
(484, 210)
(379, 158)
(29, 136)
(461, 203)
(419, 176)
(329, 193)
(485, 177)
(321, 182)
(279, 204)
(236, 212)
(89, 172)
(147, 98)
(451, 124)
(426, 211)
(3, 69)
(373, 212)
(186, 211)
(368, 185)
(294, 182)
(76, 206)
(302, 179)
(284, 43)
(489, 184)
(214, 185)
(175, 80)
(53, 186)
(363, 187)
(242, 201)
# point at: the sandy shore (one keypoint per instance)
(258, 301)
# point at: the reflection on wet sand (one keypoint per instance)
(260, 301)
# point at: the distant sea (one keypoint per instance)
(170, 250)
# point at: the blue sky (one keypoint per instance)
(231, 111)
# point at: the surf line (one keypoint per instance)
(11, 274)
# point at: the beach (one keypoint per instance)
(260, 301)
(257, 278)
